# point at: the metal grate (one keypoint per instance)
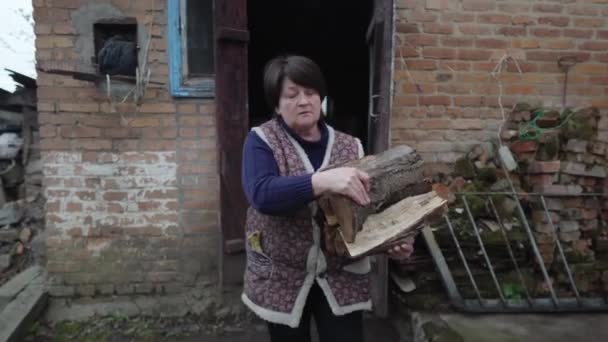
(554, 299)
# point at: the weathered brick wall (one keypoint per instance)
(132, 193)
(446, 99)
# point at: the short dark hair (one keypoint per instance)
(301, 70)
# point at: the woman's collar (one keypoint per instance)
(322, 128)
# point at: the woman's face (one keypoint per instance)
(299, 107)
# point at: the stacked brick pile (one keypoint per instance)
(568, 160)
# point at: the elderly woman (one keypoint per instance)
(289, 276)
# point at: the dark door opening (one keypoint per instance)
(332, 33)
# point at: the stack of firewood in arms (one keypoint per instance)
(400, 203)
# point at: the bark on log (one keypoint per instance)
(395, 174)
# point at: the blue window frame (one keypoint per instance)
(191, 69)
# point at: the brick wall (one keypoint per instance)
(132, 193)
(446, 99)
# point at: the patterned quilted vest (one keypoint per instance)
(284, 255)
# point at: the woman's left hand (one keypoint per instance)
(402, 250)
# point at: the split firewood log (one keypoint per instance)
(395, 174)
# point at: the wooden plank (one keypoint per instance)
(378, 125)
(231, 116)
(398, 221)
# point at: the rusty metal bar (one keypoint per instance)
(464, 261)
(603, 226)
(561, 250)
(510, 250)
(483, 250)
(541, 262)
(548, 194)
(442, 265)
(539, 305)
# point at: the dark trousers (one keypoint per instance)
(331, 328)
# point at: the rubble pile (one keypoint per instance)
(561, 155)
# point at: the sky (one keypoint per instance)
(17, 47)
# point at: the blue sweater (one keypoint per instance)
(266, 190)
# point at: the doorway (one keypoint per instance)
(332, 33)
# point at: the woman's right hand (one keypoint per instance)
(346, 181)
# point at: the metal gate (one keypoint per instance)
(471, 297)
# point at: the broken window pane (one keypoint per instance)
(199, 37)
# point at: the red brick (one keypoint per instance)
(73, 207)
(437, 4)
(478, 5)
(513, 7)
(468, 124)
(421, 64)
(71, 4)
(520, 89)
(474, 55)
(42, 29)
(544, 166)
(511, 31)
(157, 108)
(406, 52)
(48, 131)
(525, 43)
(455, 65)
(602, 34)
(474, 29)
(601, 57)
(589, 22)
(494, 18)
(491, 43)
(63, 28)
(555, 55)
(468, 101)
(524, 67)
(54, 144)
(79, 132)
(438, 28)
(188, 132)
(594, 45)
(79, 107)
(422, 16)
(91, 144)
(523, 20)
(148, 206)
(421, 39)
(115, 196)
(548, 8)
(524, 146)
(439, 53)
(561, 44)
(600, 80)
(438, 100)
(410, 88)
(456, 41)
(434, 124)
(458, 17)
(545, 32)
(402, 27)
(554, 21)
(454, 89)
(405, 100)
(583, 10)
(144, 122)
(161, 194)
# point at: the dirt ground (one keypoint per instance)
(186, 329)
